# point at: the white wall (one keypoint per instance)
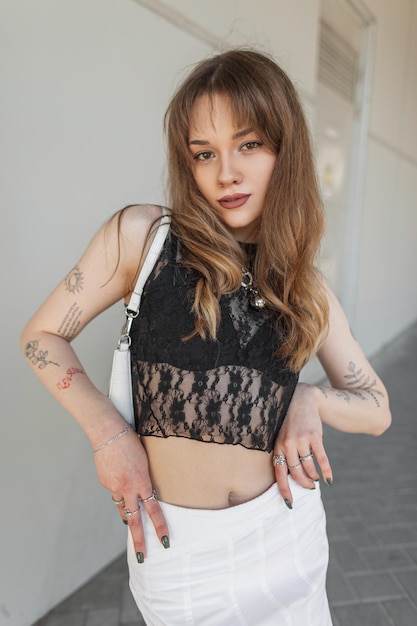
(289, 30)
(84, 87)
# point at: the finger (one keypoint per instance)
(296, 466)
(323, 462)
(133, 516)
(119, 503)
(309, 466)
(157, 518)
(281, 477)
(296, 469)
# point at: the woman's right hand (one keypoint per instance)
(123, 469)
(102, 277)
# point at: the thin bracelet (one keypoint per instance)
(107, 443)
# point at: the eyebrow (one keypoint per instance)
(238, 135)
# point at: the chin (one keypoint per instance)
(242, 227)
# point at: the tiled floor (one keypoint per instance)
(372, 507)
(104, 601)
(372, 521)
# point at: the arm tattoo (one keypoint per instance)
(73, 281)
(65, 383)
(342, 394)
(358, 394)
(37, 356)
(71, 322)
(358, 380)
(339, 393)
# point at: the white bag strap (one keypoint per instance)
(132, 309)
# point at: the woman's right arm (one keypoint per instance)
(103, 276)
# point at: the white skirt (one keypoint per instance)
(257, 563)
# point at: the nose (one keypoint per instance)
(228, 172)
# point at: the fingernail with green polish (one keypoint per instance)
(329, 481)
(140, 557)
(288, 503)
(165, 541)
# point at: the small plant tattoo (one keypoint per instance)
(358, 384)
(37, 356)
(339, 393)
(342, 394)
(358, 394)
(359, 380)
(74, 280)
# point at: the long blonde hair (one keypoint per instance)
(290, 230)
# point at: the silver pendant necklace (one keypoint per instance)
(255, 300)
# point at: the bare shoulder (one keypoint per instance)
(102, 276)
(132, 232)
(136, 220)
(128, 232)
(143, 214)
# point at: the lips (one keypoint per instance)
(234, 201)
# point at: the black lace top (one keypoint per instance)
(232, 390)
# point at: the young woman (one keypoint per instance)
(232, 311)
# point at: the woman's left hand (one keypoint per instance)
(299, 440)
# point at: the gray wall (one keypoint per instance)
(84, 87)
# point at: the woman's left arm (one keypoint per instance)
(356, 401)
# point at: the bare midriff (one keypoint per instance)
(202, 475)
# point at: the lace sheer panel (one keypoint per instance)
(232, 390)
(229, 404)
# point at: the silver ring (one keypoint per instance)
(118, 502)
(153, 496)
(307, 457)
(294, 467)
(129, 513)
(279, 459)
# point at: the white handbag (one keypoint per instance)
(120, 389)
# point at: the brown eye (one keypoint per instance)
(203, 156)
(251, 145)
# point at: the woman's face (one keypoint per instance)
(231, 166)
